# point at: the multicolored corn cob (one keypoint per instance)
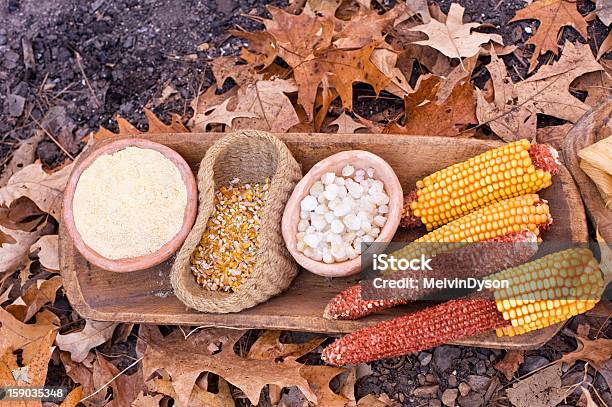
(511, 170)
(527, 212)
(548, 290)
(482, 259)
(574, 271)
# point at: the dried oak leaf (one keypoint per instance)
(553, 135)
(346, 124)
(513, 113)
(605, 47)
(338, 69)
(80, 343)
(319, 378)
(385, 60)
(33, 371)
(365, 27)
(125, 387)
(603, 10)
(218, 114)
(597, 352)
(543, 389)
(199, 397)
(597, 84)
(185, 359)
(46, 190)
(451, 115)
(453, 38)
(33, 299)
(155, 126)
(14, 251)
(73, 398)
(510, 363)
(24, 155)
(268, 102)
(227, 67)
(553, 15)
(48, 252)
(298, 37)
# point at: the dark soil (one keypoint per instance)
(71, 66)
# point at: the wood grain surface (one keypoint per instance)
(146, 296)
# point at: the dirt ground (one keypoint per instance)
(87, 61)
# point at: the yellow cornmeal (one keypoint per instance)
(227, 251)
(129, 203)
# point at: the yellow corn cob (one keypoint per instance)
(497, 174)
(548, 290)
(527, 212)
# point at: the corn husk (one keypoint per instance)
(596, 162)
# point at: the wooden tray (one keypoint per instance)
(146, 296)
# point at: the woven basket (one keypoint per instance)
(251, 156)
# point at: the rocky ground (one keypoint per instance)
(70, 66)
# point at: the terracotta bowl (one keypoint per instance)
(335, 163)
(140, 262)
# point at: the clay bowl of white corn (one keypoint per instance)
(343, 204)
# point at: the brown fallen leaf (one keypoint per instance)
(597, 352)
(227, 67)
(603, 9)
(80, 343)
(605, 47)
(510, 363)
(365, 27)
(513, 113)
(82, 374)
(588, 400)
(458, 75)
(319, 378)
(155, 125)
(453, 38)
(34, 298)
(268, 346)
(46, 190)
(218, 114)
(373, 400)
(23, 156)
(338, 69)
(386, 60)
(268, 102)
(185, 359)
(298, 37)
(553, 135)
(12, 255)
(48, 252)
(73, 398)
(125, 387)
(597, 84)
(346, 124)
(199, 397)
(451, 116)
(542, 389)
(553, 15)
(261, 51)
(145, 400)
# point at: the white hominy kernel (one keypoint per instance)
(351, 221)
(342, 209)
(350, 252)
(383, 209)
(331, 192)
(339, 251)
(318, 221)
(348, 170)
(321, 199)
(317, 255)
(328, 178)
(359, 174)
(301, 245)
(337, 226)
(355, 190)
(304, 215)
(313, 239)
(366, 227)
(340, 181)
(379, 221)
(309, 203)
(328, 258)
(329, 217)
(342, 191)
(302, 225)
(321, 209)
(334, 238)
(310, 229)
(374, 232)
(316, 189)
(349, 237)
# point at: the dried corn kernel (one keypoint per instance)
(226, 255)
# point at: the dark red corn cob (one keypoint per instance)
(482, 259)
(417, 331)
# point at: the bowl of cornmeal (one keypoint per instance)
(129, 204)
